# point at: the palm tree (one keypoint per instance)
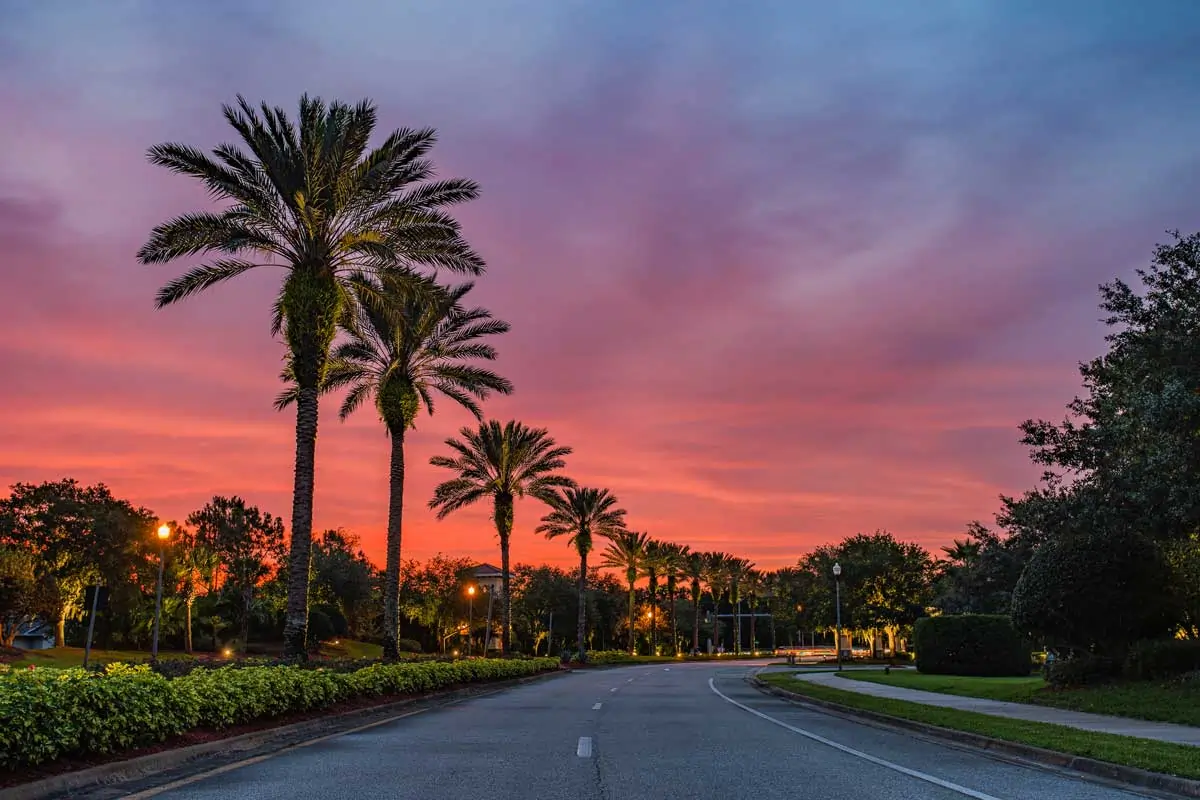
(625, 551)
(694, 573)
(581, 513)
(715, 575)
(736, 571)
(503, 462)
(752, 583)
(653, 561)
(314, 201)
(672, 564)
(400, 354)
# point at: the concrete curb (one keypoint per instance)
(1131, 776)
(289, 735)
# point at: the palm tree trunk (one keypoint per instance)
(695, 619)
(653, 613)
(752, 612)
(504, 525)
(671, 614)
(391, 579)
(187, 624)
(631, 575)
(735, 602)
(247, 601)
(295, 629)
(582, 630)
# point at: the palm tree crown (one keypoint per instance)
(581, 514)
(503, 462)
(313, 200)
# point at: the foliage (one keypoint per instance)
(970, 644)
(408, 645)
(1094, 591)
(1079, 669)
(79, 713)
(434, 594)
(1155, 659)
(343, 577)
(22, 596)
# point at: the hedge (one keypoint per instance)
(1156, 659)
(970, 644)
(50, 714)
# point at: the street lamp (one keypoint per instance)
(471, 620)
(837, 583)
(164, 533)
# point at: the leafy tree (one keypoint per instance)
(433, 594)
(501, 462)
(343, 576)
(626, 551)
(979, 572)
(399, 354)
(248, 544)
(1183, 557)
(191, 566)
(22, 597)
(582, 513)
(315, 201)
(539, 595)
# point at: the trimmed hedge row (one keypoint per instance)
(602, 657)
(50, 714)
(970, 644)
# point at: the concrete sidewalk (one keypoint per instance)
(1100, 723)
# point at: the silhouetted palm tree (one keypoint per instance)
(399, 354)
(582, 513)
(694, 572)
(625, 551)
(673, 563)
(503, 462)
(313, 200)
(716, 575)
(736, 569)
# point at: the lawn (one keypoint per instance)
(63, 657)
(1172, 759)
(1163, 701)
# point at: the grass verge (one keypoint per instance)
(67, 657)
(1171, 759)
(1160, 701)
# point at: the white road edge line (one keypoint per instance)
(954, 787)
(584, 749)
(613, 689)
(597, 706)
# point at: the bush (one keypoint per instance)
(1079, 669)
(1095, 591)
(1155, 659)
(75, 712)
(408, 645)
(602, 657)
(320, 627)
(970, 644)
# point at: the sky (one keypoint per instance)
(779, 272)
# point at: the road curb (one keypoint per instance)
(1131, 776)
(289, 735)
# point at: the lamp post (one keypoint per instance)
(164, 533)
(837, 584)
(471, 620)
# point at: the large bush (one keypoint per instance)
(1095, 592)
(1155, 659)
(50, 713)
(970, 644)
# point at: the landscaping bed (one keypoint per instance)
(1163, 757)
(1175, 700)
(82, 715)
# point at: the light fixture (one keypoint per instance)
(164, 531)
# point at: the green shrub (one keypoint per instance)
(320, 627)
(970, 644)
(53, 713)
(1155, 659)
(602, 657)
(1079, 669)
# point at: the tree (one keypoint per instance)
(737, 570)
(399, 354)
(694, 572)
(192, 565)
(343, 576)
(317, 203)
(540, 595)
(503, 462)
(673, 563)
(752, 584)
(716, 572)
(433, 594)
(22, 597)
(582, 513)
(626, 551)
(248, 544)
(654, 559)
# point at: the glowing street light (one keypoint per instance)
(837, 583)
(164, 533)
(471, 619)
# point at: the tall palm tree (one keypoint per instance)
(315, 201)
(694, 572)
(503, 462)
(582, 513)
(672, 563)
(399, 354)
(752, 584)
(653, 561)
(736, 571)
(625, 551)
(716, 570)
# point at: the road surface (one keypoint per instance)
(688, 731)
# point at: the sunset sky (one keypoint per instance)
(779, 272)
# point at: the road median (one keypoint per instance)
(1135, 762)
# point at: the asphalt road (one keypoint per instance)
(689, 731)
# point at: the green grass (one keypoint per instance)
(1164, 757)
(1160, 701)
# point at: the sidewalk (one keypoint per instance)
(1100, 723)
